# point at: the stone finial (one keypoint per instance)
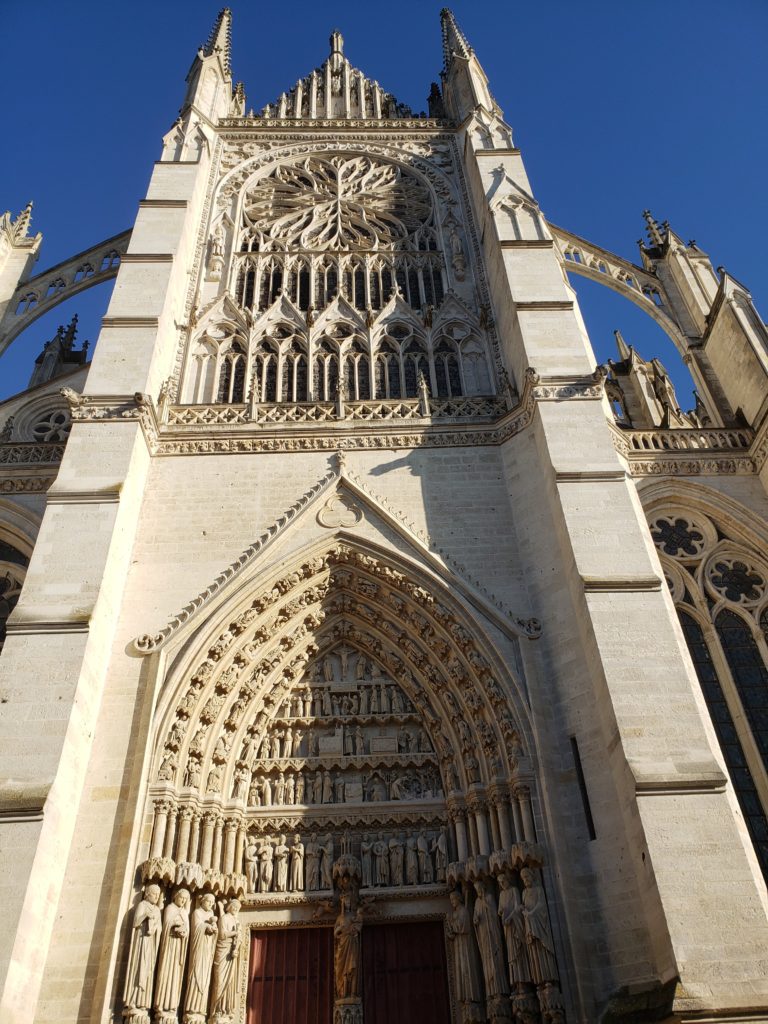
(220, 39)
(654, 231)
(454, 40)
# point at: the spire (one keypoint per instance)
(454, 40)
(68, 337)
(220, 39)
(654, 231)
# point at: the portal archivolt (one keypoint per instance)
(345, 696)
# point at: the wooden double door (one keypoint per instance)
(404, 975)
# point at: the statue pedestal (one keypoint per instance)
(348, 1011)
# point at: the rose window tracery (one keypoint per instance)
(337, 203)
(677, 537)
(736, 581)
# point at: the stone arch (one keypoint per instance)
(58, 284)
(231, 679)
(640, 286)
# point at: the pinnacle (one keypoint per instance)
(655, 235)
(220, 38)
(454, 40)
(22, 222)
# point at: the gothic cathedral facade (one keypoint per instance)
(368, 652)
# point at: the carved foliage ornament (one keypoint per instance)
(337, 203)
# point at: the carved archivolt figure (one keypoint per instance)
(511, 914)
(541, 948)
(490, 943)
(145, 938)
(346, 951)
(173, 956)
(468, 973)
(202, 946)
(225, 960)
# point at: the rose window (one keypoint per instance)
(52, 426)
(735, 580)
(337, 203)
(677, 537)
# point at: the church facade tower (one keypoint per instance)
(377, 656)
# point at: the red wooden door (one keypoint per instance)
(405, 976)
(291, 976)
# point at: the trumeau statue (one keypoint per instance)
(201, 953)
(469, 981)
(173, 957)
(225, 962)
(145, 939)
(346, 954)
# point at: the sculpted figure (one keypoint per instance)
(326, 863)
(254, 793)
(511, 914)
(290, 790)
(396, 853)
(281, 865)
(145, 937)
(346, 951)
(541, 948)
(192, 773)
(328, 674)
(468, 973)
(338, 789)
(312, 854)
(327, 795)
(173, 956)
(440, 849)
(360, 668)
(384, 700)
(425, 859)
(266, 866)
(296, 883)
(411, 862)
(397, 701)
(225, 960)
(402, 740)
(298, 736)
(317, 788)
(300, 788)
(266, 792)
(251, 863)
(366, 861)
(359, 741)
(280, 790)
(203, 943)
(374, 701)
(364, 701)
(240, 787)
(488, 931)
(380, 861)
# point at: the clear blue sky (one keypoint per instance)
(616, 107)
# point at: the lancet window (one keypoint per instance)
(720, 588)
(232, 374)
(13, 567)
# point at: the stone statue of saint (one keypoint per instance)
(440, 849)
(541, 948)
(467, 964)
(290, 790)
(511, 914)
(328, 673)
(225, 960)
(300, 788)
(326, 863)
(312, 853)
(366, 861)
(327, 795)
(359, 741)
(281, 865)
(203, 943)
(489, 941)
(425, 859)
(251, 862)
(364, 701)
(145, 938)
(172, 958)
(380, 861)
(411, 862)
(279, 796)
(360, 667)
(266, 866)
(346, 951)
(296, 883)
(396, 853)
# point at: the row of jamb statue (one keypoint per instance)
(158, 961)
